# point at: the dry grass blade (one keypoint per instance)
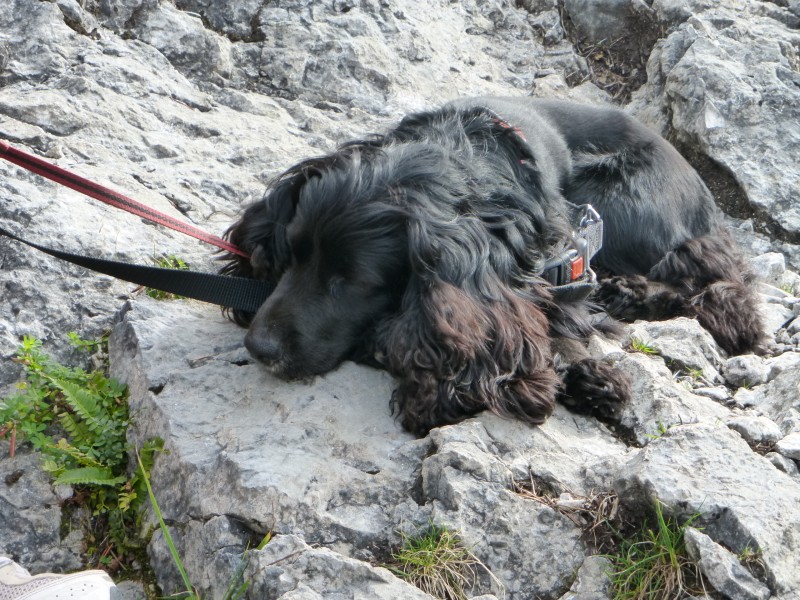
(597, 514)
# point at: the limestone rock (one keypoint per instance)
(784, 464)
(289, 569)
(755, 430)
(683, 344)
(790, 446)
(709, 471)
(779, 399)
(325, 460)
(712, 85)
(592, 581)
(722, 570)
(770, 267)
(30, 516)
(745, 370)
(660, 402)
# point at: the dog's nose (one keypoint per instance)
(262, 346)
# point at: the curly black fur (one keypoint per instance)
(423, 249)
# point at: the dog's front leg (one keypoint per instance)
(590, 386)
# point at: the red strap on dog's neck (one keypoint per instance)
(108, 196)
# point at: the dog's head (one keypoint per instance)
(332, 240)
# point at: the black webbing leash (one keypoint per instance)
(234, 292)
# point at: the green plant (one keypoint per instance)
(695, 373)
(167, 262)
(78, 421)
(237, 585)
(660, 432)
(653, 565)
(751, 559)
(436, 561)
(638, 345)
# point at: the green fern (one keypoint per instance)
(74, 428)
(90, 476)
(83, 402)
(78, 421)
(80, 458)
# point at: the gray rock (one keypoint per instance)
(351, 54)
(592, 581)
(683, 344)
(774, 313)
(784, 362)
(322, 459)
(660, 402)
(30, 516)
(789, 446)
(289, 569)
(755, 430)
(745, 370)
(354, 483)
(712, 85)
(787, 465)
(569, 453)
(470, 492)
(791, 283)
(604, 22)
(793, 327)
(721, 569)
(770, 267)
(717, 393)
(211, 550)
(128, 590)
(709, 471)
(778, 399)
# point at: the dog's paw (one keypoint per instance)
(623, 297)
(730, 312)
(594, 387)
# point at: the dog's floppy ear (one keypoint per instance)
(462, 341)
(261, 233)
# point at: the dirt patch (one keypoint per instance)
(730, 196)
(618, 66)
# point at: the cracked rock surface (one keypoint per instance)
(192, 106)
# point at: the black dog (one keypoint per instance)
(425, 249)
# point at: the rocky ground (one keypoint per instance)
(192, 106)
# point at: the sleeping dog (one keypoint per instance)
(431, 250)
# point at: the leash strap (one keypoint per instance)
(108, 196)
(233, 292)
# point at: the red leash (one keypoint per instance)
(108, 196)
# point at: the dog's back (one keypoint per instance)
(650, 198)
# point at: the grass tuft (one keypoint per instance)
(653, 564)
(638, 345)
(437, 562)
